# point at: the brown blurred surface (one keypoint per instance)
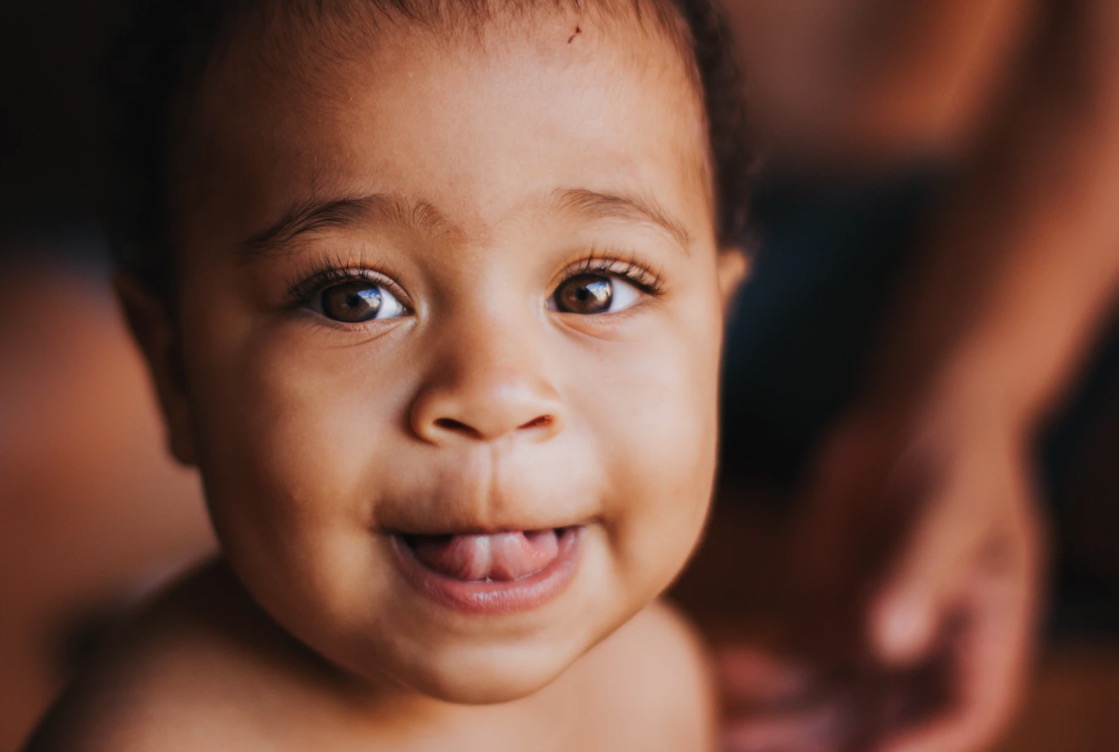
(93, 511)
(1071, 705)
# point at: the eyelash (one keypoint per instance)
(613, 264)
(329, 272)
(332, 271)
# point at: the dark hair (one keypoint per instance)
(165, 45)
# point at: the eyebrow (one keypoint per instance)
(627, 207)
(311, 216)
(344, 212)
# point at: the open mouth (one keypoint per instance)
(490, 572)
(500, 557)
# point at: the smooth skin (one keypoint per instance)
(465, 181)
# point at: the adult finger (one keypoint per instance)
(991, 654)
(946, 539)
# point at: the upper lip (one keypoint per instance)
(483, 493)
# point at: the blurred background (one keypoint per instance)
(93, 512)
(867, 113)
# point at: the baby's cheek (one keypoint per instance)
(289, 443)
(288, 483)
(664, 469)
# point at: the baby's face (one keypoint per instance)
(450, 320)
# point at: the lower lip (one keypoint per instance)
(494, 597)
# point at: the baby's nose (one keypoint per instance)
(485, 388)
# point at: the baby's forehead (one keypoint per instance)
(290, 37)
(314, 86)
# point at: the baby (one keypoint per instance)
(431, 292)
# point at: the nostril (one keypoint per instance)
(539, 422)
(488, 426)
(451, 424)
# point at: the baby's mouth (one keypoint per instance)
(496, 557)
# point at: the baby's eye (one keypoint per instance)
(594, 293)
(358, 301)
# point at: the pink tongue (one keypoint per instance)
(504, 556)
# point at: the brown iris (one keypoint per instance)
(585, 294)
(352, 302)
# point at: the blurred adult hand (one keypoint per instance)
(919, 562)
(915, 589)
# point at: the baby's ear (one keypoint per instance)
(733, 268)
(155, 332)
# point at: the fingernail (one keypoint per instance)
(904, 630)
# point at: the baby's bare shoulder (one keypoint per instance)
(175, 679)
(652, 686)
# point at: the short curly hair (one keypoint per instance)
(164, 47)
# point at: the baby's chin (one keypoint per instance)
(490, 690)
(488, 676)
